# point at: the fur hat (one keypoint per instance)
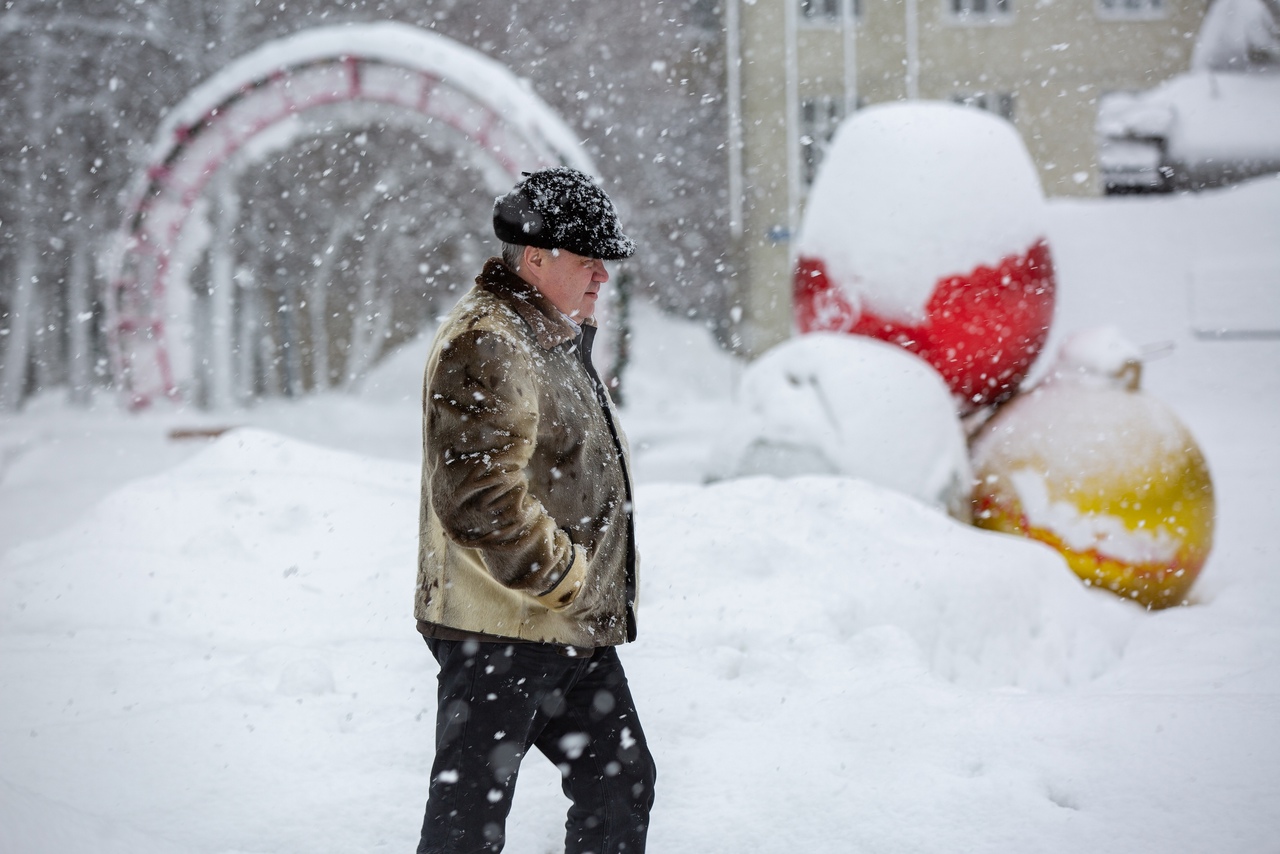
(561, 208)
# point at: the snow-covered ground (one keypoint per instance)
(207, 646)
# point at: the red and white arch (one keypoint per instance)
(250, 108)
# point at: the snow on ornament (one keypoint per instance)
(1102, 472)
(926, 228)
(836, 404)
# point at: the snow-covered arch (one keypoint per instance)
(254, 106)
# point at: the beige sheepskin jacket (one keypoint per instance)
(525, 528)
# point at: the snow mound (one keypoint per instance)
(826, 403)
(910, 193)
(286, 548)
(31, 824)
(261, 537)
(814, 577)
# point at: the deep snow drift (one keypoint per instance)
(207, 647)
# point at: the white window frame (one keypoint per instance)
(979, 12)
(1132, 10)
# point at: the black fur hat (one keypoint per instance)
(561, 208)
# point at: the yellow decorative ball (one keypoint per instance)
(1107, 475)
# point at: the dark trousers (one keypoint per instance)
(496, 700)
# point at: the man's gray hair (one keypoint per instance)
(512, 255)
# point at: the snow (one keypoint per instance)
(1237, 34)
(468, 71)
(1224, 116)
(1209, 120)
(1064, 424)
(1218, 123)
(1099, 356)
(1107, 535)
(912, 192)
(206, 646)
(830, 403)
(562, 208)
(1085, 422)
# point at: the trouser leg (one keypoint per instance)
(495, 701)
(595, 739)
(474, 772)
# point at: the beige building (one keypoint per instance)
(797, 67)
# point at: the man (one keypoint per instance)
(527, 561)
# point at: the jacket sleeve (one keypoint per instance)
(481, 424)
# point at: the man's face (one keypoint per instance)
(572, 282)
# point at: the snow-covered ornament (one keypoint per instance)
(844, 405)
(926, 227)
(1107, 475)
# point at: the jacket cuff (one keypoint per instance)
(566, 590)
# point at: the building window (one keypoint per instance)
(827, 11)
(1000, 103)
(1128, 9)
(819, 118)
(980, 11)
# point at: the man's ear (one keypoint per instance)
(533, 257)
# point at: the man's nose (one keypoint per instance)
(600, 274)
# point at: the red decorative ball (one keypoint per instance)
(926, 227)
(982, 329)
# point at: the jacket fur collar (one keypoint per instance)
(550, 327)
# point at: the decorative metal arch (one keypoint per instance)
(495, 116)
